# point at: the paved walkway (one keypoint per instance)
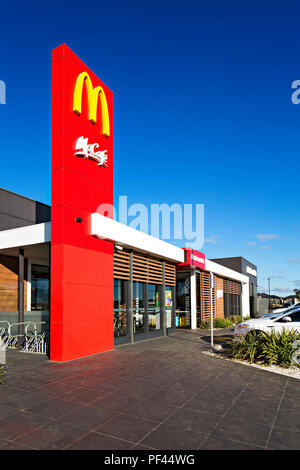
(156, 394)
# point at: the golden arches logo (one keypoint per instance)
(93, 96)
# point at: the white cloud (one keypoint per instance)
(214, 239)
(294, 260)
(282, 290)
(251, 243)
(267, 236)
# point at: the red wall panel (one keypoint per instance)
(81, 318)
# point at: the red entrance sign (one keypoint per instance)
(193, 259)
(81, 318)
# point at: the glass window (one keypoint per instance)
(120, 312)
(169, 307)
(183, 301)
(154, 307)
(294, 316)
(39, 287)
(138, 308)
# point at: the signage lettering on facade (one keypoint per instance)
(86, 150)
(251, 271)
(197, 258)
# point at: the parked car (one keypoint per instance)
(279, 312)
(289, 320)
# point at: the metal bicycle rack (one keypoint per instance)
(34, 342)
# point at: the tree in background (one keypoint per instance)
(297, 293)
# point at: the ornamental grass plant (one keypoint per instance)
(281, 348)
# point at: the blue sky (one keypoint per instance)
(202, 106)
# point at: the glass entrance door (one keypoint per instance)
(138, 311)
(39, 287)
(154, 311)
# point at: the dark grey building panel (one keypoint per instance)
(243, 266)
(231, 263)
(18, 211)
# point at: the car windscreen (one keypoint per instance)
(293, 313)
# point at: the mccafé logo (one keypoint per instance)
(93, 97)
(86, 150)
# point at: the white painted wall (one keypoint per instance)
(245, 300)
(109, 229)
(24, 236)
(193, 294)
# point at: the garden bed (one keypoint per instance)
(293, 372)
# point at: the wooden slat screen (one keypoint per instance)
(140, 268)
(122, 265)
(234, 287)
(205, 295)
(145, 269)
(170, 274)
(219, 297)
(155, 271)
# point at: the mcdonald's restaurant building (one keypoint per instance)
(94, 281)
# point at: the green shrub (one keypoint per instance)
(266, 348)
(222, 323)
(217, 323)
(235, 319)
(204, 325)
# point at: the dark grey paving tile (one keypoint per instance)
(153, 411)
(265, 388)
(127, 427)
(193, 420)
(11, 445)
(17, 424)
(256, 397)
(6, 410)
(88, 417)
(293, 387)
(171, 396)
(140, 390)
(34, 384)
(164, 375)
(96, 441)
(53, 408)
(84, 395)
(256, 411)
(6, 391)
(209, 402)
(243, 431)
(24, 400)
(140, 447)
(284, 439)
(58, 389)
(217, 443)
(54, 435)
(290, 403)
(116, 402)
(173, 438)
(289, 419)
